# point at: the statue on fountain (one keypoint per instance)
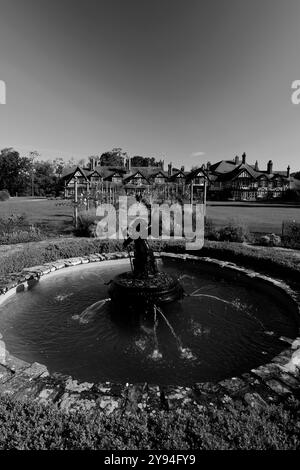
(145, 285)
(144, 263)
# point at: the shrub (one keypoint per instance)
(4, 195)
(234, 232)
(210, 231)
(86, 224)
(16, 229)
(13, 222)
(25, 426)
(270, 240)
(291, 234)
(21, 236)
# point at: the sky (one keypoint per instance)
(188, 81)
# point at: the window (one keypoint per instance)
(116, 179)
(199, 180)
(263, 183)
(159, 179)
(180, 179)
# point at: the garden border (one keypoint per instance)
(269, 383)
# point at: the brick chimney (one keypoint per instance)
(244, 158)
(208, 165)
(270, 167)
(182, 168)
(128, 165)
(288, 171)
(256, 166)
(237, 160)
(170, 170)
(92, 163)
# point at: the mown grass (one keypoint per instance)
(52, 217)
(55, 216)
(224, 427)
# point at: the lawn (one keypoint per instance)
(49, 214)
(257, 217)
(56, 215)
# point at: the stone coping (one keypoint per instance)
(270, 383)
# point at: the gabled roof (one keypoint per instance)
(194, 173)
(236, 171)
(129, 177)
(146, 170)
(159, 172)
(68, 171)
(107, 171)
(177, 174)
(92, 173)
(82, 171)
(111, 174)
(264, 175)
(223, 166)
(281, 174)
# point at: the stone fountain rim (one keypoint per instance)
(23, 380)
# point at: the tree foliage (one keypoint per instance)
(138, 160)
(14, 172)
(297, 175)
(45, 180)
(114, 157)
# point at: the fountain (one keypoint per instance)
(177, 320)
(144, 286)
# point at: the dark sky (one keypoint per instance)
(187, 80)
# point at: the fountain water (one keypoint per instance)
(144, 289)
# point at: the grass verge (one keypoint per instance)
(283, 263)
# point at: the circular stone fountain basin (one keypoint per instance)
(226, 324)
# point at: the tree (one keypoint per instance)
(32, 156)
(58, 166)
(297, 175)
(138, 160)
(115, 157)
(45, 180)
(15, 172)
(82, 162)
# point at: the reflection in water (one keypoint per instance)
(62, 297)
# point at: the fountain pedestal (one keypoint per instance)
(145, 284)
(158, 289)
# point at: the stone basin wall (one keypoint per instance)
(270, 383)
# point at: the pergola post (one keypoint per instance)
(76, 202)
